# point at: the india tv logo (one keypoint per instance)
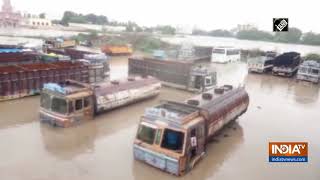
(288, 152)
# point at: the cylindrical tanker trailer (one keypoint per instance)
(66, 104)
(173, 136)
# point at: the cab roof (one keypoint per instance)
(183, 115)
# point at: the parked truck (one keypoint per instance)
(263, 63)
(60, 43)
(98, 65)
(173, 136)
(67, 104)
(286, 64)
(174, 73)
(309, 71)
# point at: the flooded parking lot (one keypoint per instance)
(280, 109)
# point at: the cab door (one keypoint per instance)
(78, 110)
(88, 109)
(196, 148)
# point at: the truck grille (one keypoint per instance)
(157, 160)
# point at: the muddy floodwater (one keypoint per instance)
(280, 109)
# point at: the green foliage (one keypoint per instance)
(131, 26)
(254, 34)
(312, 56)
(199, 32)
(71, 17)
(165, 29)
(148, 44)
(311, 38)
(215, 33)
(220, 33)
(293, 36)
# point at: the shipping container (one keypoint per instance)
(114, 50)
(17, 56)
(173, 136)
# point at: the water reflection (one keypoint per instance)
(306, 93)
(219, 151)
(301, 92)
(67, 143)
(19, 112)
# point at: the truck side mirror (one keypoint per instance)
(193, 141)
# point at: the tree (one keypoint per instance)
(292, 36)
(220, 33)
(166, 29)
(70, 16)
(254, 34)
(67, 15)
(311, 38)
(312, 56)
(199, 32)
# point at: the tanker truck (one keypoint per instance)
(66, 104)
(173, 136)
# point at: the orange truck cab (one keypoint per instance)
(173, 136)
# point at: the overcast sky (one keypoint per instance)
(206, 14)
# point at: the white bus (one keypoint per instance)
(225, 54)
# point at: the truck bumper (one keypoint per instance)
(54, 121)
(308, 78)
(156, 160)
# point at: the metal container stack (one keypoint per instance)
(98, 67)
(27, 79)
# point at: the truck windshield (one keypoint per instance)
(146, 134)
(303, 70)
(59, 105)
(45, 101)
(172, 140)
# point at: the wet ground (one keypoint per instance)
(280, 109)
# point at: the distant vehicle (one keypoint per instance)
(60, 43)
(225, 54)
(173, 136)
(114, 50)
(309, 71)
(175, 73)
(67, 104)
(17, 81)
(286, 64)
(261, 64)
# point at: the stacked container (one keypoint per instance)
(98, 67)
(28, 79)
